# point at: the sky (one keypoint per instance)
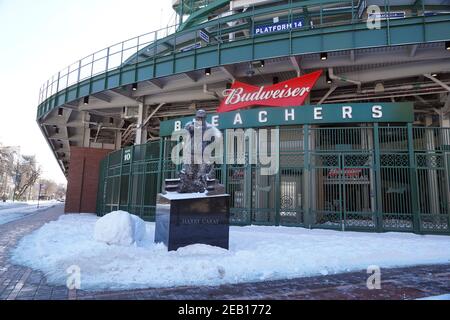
(40, 38)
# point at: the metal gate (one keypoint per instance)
(343, 191)
(433, 205)
(371, 178)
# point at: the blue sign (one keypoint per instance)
(388, 15)
(434, 13)
(197, 45)
(203, 35)
(278, 27)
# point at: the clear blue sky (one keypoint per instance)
(39, 38)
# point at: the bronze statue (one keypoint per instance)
(197, 177)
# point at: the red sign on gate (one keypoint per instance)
(284, 94)
(346, 173)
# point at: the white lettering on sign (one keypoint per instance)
(377, 112)
(318, 114)
(215, 121)
(310, 114)
(289, 114)
(237, 119)
(263, 117)
(347, 112)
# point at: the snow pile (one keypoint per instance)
(256, 254)
(120, 228)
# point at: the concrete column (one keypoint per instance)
(87, 131)
(118, 144)
(444, 135)
(141, 132)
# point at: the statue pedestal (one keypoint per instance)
(192, 218)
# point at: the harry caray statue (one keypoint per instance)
(194, 209)
(197, 174)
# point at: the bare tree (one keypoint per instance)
(26, 175)
(6, 169)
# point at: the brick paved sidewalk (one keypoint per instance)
(22, 283)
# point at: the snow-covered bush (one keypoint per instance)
(119, 228)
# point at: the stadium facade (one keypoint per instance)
(367, 146)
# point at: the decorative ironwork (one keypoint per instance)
(373, 189)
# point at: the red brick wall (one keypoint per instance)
(82, 182)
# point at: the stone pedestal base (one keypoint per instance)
(186, 219)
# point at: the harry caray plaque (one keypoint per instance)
(194, 209)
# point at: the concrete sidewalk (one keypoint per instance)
(23, 283)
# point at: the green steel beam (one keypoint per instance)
(202, 13)
(413, 180)
(378, 182)
(298, 42)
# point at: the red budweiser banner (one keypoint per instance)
(284, 94)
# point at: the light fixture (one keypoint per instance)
(434, 75)
(86, 100)
(379, 87)
(262, 62)
(275, 80)
(135, 86)
(207, 72)
(329, 80)
(323, 56)
(447, 45)
(60, 112)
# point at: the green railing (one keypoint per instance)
(374, 178)
(239, 27)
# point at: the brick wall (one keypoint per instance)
(82, 182)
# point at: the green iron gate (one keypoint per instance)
(371, 178)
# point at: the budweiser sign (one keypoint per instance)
(284, 94)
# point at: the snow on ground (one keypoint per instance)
(10, 205)
(441, 297)
(11, 211)
(256, 254)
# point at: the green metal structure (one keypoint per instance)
(333, 25)
(369, 177)
(350, 174)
